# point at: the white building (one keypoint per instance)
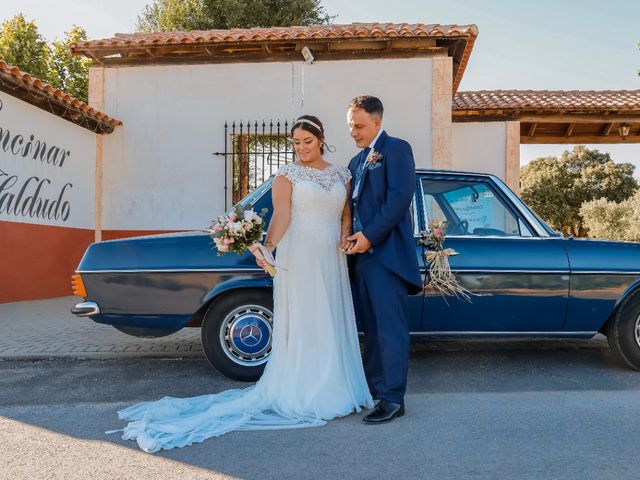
(175, 92)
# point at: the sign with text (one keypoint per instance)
(47, 167)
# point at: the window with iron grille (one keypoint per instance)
(253, 152)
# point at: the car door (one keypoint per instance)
(520, 276)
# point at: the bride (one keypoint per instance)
(315, 370)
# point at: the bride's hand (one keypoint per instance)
(259, 258)
(345, 244)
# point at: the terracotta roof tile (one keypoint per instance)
(548, 100)
(18, 78)
(314, 32)
(131, 47)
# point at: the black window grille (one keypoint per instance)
(253, 151)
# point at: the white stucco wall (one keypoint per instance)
(404, 86)
(60, 181)
(480, 147)
(159, 172)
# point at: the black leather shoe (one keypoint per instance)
(384, 411)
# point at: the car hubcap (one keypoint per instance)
(637, 330)
(245, 335)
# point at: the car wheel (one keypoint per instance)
(623, 331)
(236, 333)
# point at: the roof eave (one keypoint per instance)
(55, 105)
(172, 47)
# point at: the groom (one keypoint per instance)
(384, 268)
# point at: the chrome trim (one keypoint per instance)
(423, 209)
(461, 270)
(485, 334)
(637, 330)
(174, 270)
(416, 225)
(603, 272)
(247, 270)
(500, 237)
(85, 309)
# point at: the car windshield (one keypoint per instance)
(253, 197)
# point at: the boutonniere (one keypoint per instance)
(375, 158)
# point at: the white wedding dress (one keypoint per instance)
(315, 370)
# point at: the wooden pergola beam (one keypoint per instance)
(607, 129)
(532, 129)
(578, 139)
(528, 117)
(569, 129)
(577, 118)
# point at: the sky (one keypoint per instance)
(538, 45)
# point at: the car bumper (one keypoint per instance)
(86, 309)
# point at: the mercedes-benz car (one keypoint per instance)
(530, 281)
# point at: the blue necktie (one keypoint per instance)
(360, 170)
(357, 225)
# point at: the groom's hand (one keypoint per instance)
(361, 245)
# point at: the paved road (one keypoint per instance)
(484, 411)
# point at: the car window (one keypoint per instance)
(471, 208)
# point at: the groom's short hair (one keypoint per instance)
(370, 104)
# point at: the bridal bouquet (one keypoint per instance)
(239, 231)
(440, 275)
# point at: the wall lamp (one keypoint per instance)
(308, 56)
(624, 129)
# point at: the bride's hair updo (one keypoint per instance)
(312, 125)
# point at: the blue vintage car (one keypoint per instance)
(533, 283)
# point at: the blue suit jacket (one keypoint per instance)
(382, 205)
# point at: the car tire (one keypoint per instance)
(623, 331)
(236, 333)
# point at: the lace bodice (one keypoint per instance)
(326, 178)
(317, 201)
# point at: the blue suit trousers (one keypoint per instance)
(381, 303)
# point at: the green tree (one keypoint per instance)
(544, 187)
(613, 220)
(170, 15)
(69, 73)
(557, 188)
(22, 45)
(606, 219)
